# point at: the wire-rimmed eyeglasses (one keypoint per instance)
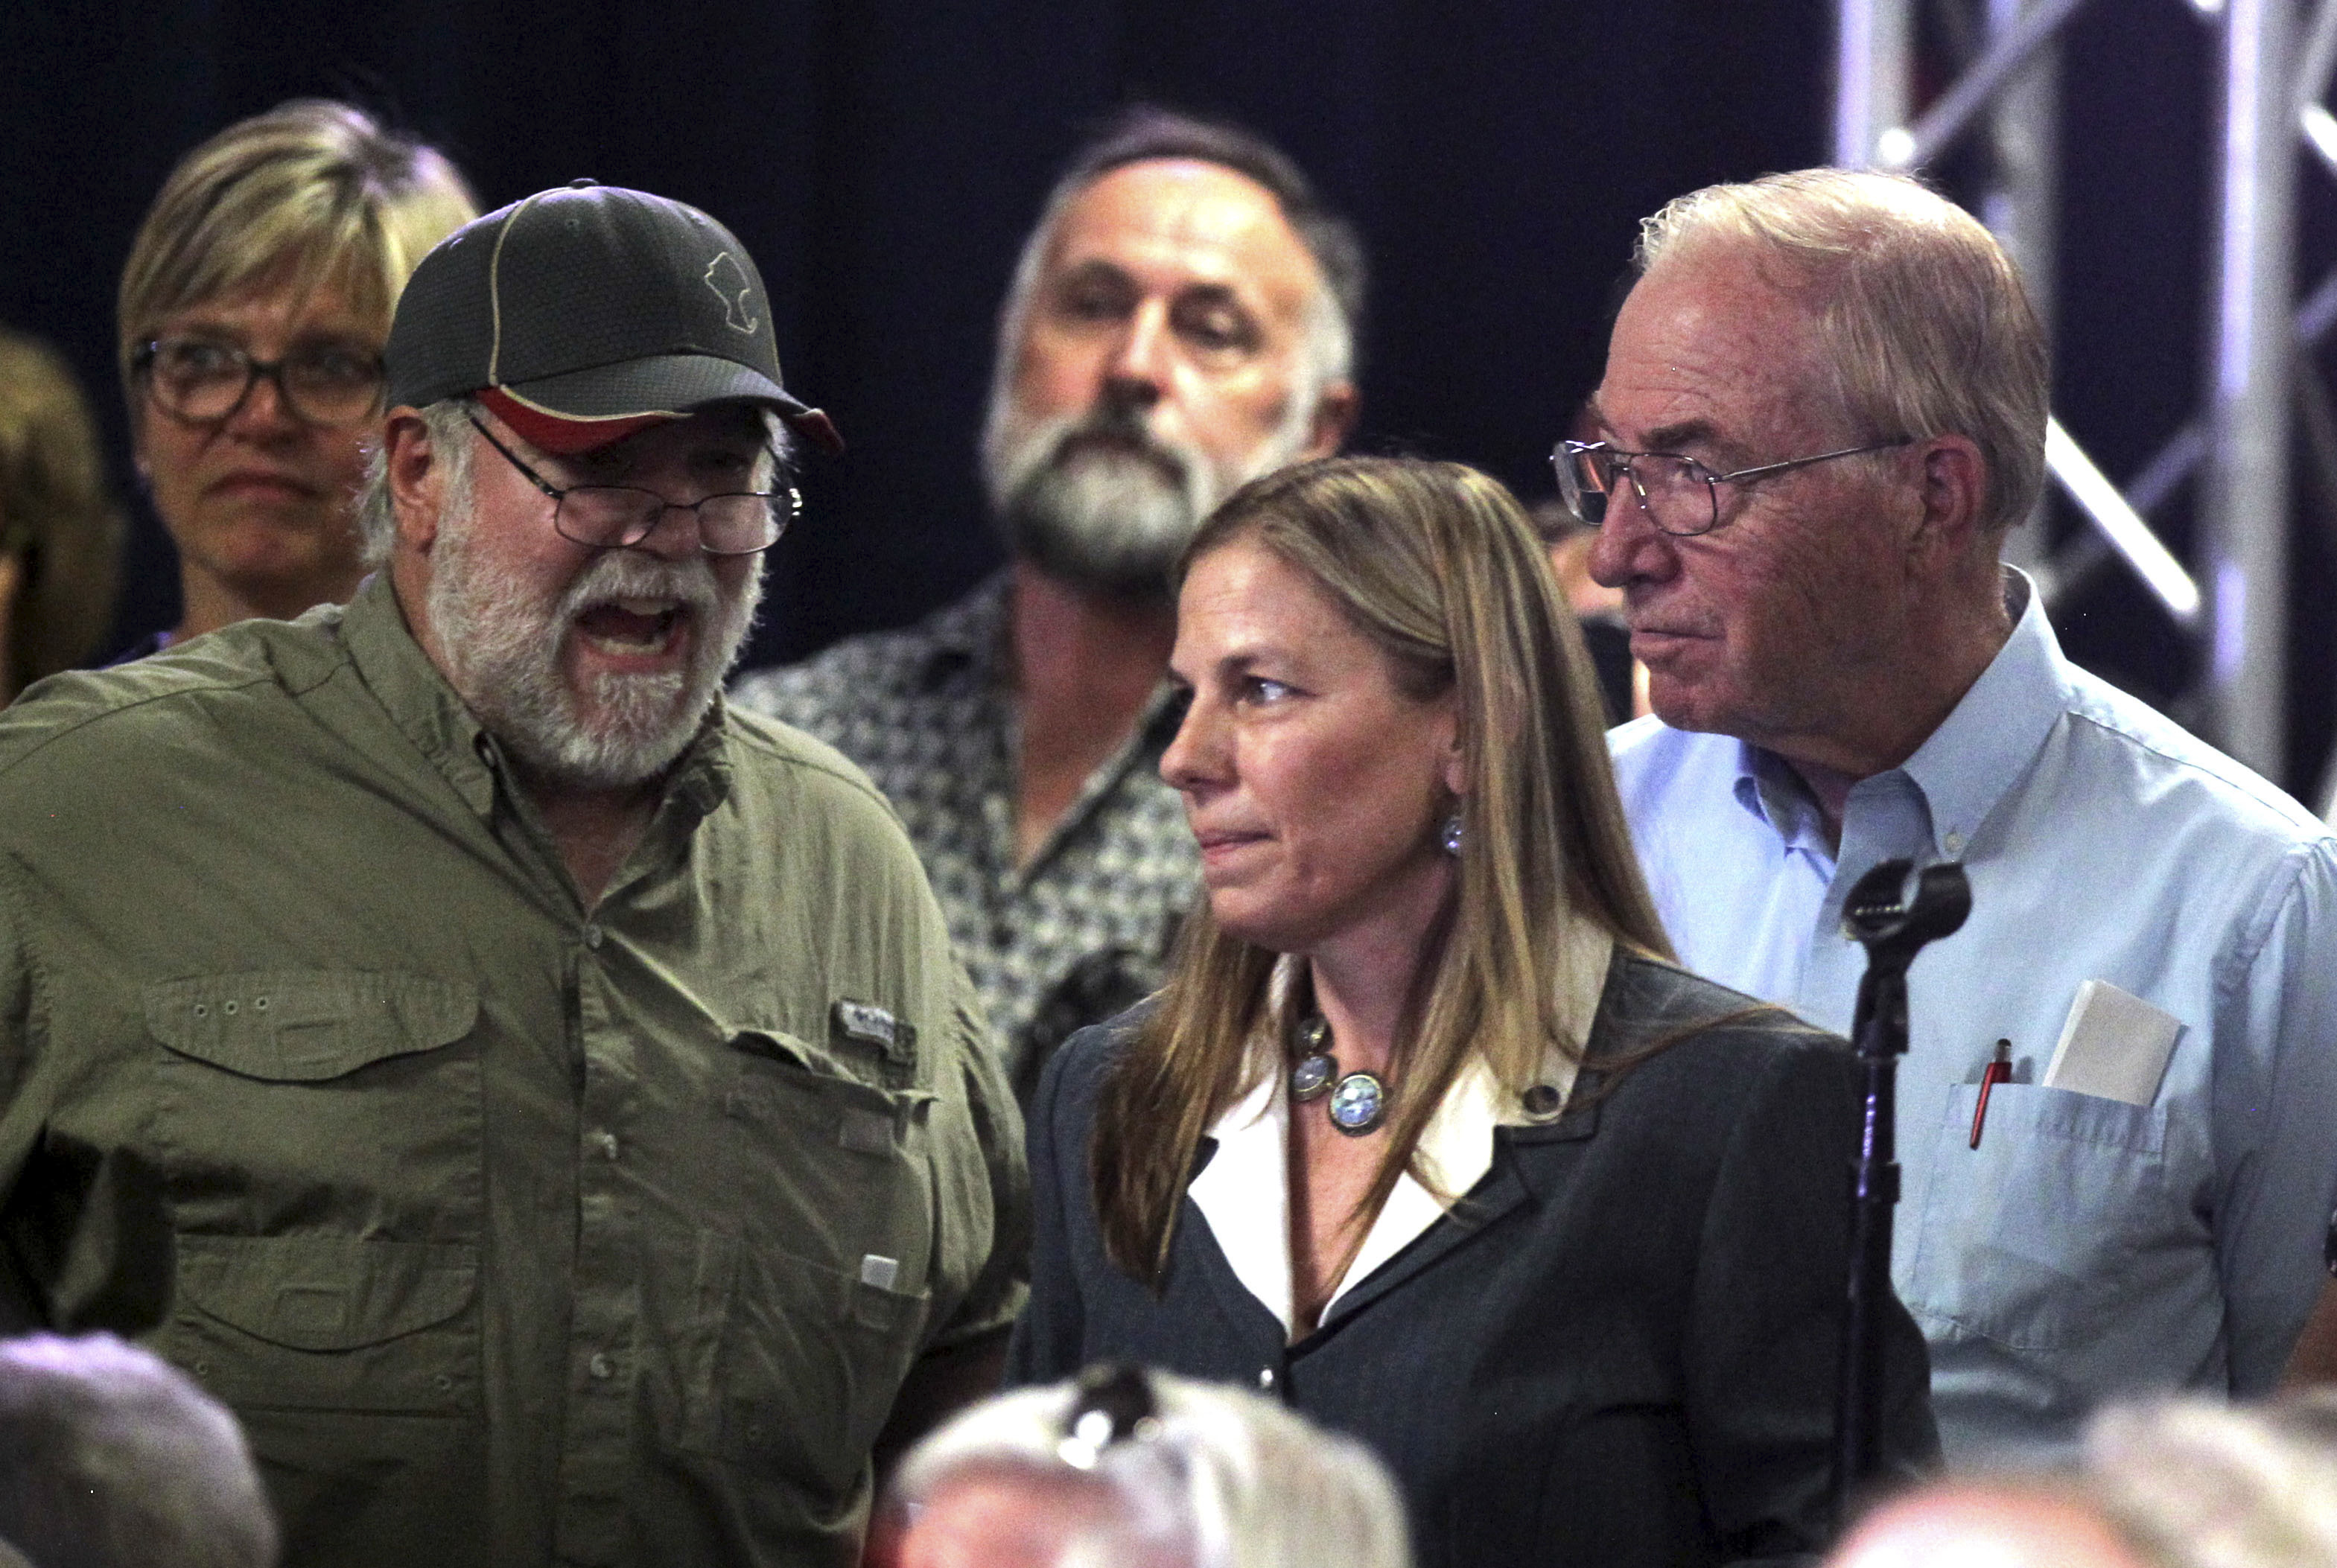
(1680, 495)
(1114, 1403)
(619, 516)
(203, 381)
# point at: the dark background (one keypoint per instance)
(882, 159)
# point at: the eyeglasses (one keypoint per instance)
(204, 382)
(619, 516)
(1680, 495)
(1113, 1403)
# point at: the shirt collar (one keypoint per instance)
(969, 634)
(1987, 743)
(415, 696)
(1965, 767)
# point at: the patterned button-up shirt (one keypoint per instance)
(1081, 931)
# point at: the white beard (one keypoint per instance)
(502, 641)
(1101, 500)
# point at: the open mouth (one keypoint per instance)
(631, 627)
(254, 485)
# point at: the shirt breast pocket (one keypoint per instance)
(2029, 1239)
(828, 1297)
(332, 1102)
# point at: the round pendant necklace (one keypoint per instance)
(1359, 1100)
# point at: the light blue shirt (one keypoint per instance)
(2088, 1249)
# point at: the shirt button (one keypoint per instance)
(1265, 1377)
(599, 1366)
(1955, 842)
(607, 1144)
(592, 938)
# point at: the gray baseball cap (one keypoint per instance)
(582, 314)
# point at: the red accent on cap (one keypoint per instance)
(560, 436)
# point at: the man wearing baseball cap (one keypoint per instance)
(579, 1141)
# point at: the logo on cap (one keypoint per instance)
(730, 284)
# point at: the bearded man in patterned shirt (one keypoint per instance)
(1183, 319)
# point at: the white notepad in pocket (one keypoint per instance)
(2114, 1045)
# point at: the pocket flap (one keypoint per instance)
(306, 1025)
(326, 1292)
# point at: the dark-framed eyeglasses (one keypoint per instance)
(204, 381)
(619, 516)
(1113, 1403)
(1680, 495)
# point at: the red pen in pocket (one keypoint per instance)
(1999, 1070)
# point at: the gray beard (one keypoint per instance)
(1100, 501)
(501, 643)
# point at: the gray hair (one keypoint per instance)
(1144, 132)
(2196, 1484)
(109, 1457)
(1242, 1481)
(448, 424)
(1920, 317)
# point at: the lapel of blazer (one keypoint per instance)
(1197, 1247)
(1519, 1171)
(1523, 1167)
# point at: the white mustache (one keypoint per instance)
(629, 574)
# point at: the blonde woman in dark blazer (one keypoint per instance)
(1425, 1134)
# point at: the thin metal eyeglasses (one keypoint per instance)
(619, 516)
(204, 382)
(1114, 1403)
(1665, 482)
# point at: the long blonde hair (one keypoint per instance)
(1437, 566)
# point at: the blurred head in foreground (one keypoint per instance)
(109, 1457)
(2183, 1483)
(1139, 1470)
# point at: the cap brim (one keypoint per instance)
(582, 409)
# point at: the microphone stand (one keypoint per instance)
(1894, 928)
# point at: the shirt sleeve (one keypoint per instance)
(85, 1236)
(21, 1307)
(2275, 1081)
(1765, 1332)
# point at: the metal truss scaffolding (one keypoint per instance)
(2271, 81)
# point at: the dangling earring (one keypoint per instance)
(1451, 839)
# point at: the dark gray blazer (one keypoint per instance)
(1620, 1348)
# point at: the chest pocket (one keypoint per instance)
(319, 1101)
(2033, 1239)
(826, 1299)
(320, 1131)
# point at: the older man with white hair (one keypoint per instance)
(1143, 1469)
(1824, 405)
(578, 1139)
(1182, 320)
(112, 1458)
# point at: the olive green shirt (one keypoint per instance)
(515, 1232)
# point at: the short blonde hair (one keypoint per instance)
(1920, 317)
(57, 518)
(314, 187)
